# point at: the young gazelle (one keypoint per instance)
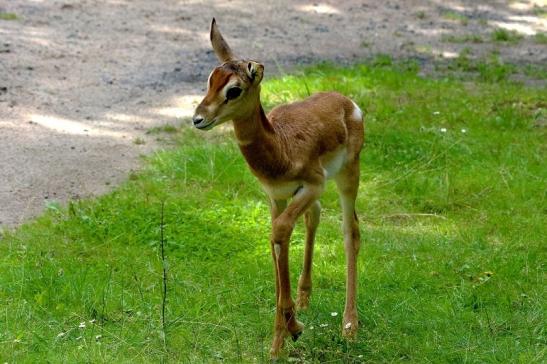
(292, 152)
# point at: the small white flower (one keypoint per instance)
(360, 356)
(311, 327)
(98, 337)
(82, 325)
(464, 131)
(92, 321)
(436, 112)
(334, 314)
(348, 325)
(443, 130)
(324, 325)
(61, 334)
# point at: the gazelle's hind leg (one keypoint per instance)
(311, 218)
(348, 184)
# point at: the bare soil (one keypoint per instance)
(82, 81)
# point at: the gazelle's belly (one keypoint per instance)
(281, 190)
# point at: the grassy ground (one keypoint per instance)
(452, 207)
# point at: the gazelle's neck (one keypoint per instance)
(254, 127)
(260, 145)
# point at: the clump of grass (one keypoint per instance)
(505, 36)
(466, 38)
(540, 38)
(421, 15)
(490, 69)
(139, 141)
(167, 128)
(382, 60)
(424, 49)
(8, 16)
(540, 11)
(464, 62)
(454, 16)
(451, 270)
(494, 70)
(535, 71)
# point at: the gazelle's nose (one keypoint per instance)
(196, 119)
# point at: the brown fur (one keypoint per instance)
(291, 151)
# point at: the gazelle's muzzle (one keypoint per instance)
(197, 119)
(201, 122)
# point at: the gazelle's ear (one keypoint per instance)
(255, 71)
(221, 48)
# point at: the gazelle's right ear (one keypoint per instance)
(221, 48)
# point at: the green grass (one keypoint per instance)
(8, 16)
(540, 11)
(139, 141)
(540, 38)
(505, 36)
(421, 15)
(491, 69)
(465, 38)
(452, 268)
(166, 128)
(457, 17)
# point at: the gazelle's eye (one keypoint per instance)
(233, 93)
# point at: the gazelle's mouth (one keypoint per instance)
(206, 126)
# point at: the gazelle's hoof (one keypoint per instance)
(296, 336)
(293, 329)
(349, 330)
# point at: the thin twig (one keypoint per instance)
(164, 271)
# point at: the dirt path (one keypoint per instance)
(82, 81)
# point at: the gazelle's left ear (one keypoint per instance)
(222, 49)
(255, 71)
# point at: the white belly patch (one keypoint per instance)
(335, 161)
(282, 191)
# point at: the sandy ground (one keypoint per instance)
(82, 81)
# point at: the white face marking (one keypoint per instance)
(357, 113)
(209, 81)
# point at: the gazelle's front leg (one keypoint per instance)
(276, 208)
(282, 227)
(311, 218)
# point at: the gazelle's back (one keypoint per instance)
(319, 124)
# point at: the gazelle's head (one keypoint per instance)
(233, 88)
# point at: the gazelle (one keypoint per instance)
(292, 152)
